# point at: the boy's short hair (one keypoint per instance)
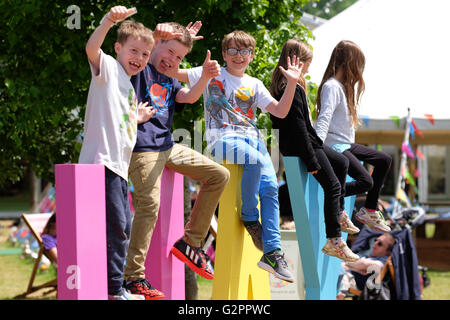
(186, 39)
(241, 39)
(131, 28)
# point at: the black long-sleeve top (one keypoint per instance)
(297, 135)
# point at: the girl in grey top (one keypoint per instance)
(338, 98)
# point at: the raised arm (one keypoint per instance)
(210, 69)
(280, 109)
(115, 14)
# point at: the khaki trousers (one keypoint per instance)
(145, 172)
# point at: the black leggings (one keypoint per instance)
(363, 180)
(332, 177)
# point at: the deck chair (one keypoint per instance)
(401, 269)
(36, 223)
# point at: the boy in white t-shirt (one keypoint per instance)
(230, 102)
(112, 115)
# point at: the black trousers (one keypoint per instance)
(331, 177)
(364, 182)
(118, 229)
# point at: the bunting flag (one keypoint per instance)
(420, 154)
(406, 148)
(417, 173)
(409, 178)
(411, 130)
(365, 120)
(430, 117)
(416, 129)
(396, 120)
(401, 195)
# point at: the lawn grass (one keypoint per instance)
(15, 272)
(439, 288)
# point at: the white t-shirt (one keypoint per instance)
(334, 124)
(110, 122)
(230, 104)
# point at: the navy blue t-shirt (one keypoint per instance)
(160, 91)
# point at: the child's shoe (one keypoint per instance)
(336, 247)
(347, 224)
(144, 288)
(254, 228)
(194, 257)
(126, 296)
(373, 219)
(275, 263)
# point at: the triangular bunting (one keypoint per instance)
(416, 129)
(365, 120)
(396, 120)
(411, 130)
(406, 148)
(420, 154)
(430, 117)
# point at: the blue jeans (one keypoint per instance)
(258, 179)
(118, 228)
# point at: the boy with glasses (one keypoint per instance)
(230, 102)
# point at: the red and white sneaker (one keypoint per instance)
(339, 249)
(194, 257)
(144, 288)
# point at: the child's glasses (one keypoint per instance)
(243, 52)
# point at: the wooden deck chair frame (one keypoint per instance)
(388, 267)
(27, 218)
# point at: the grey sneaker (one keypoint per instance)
(347, 224)
(374, 220)
(126, 296)
(277, 265)
(254, 228)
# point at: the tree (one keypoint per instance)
(327, 9)
(44, 74)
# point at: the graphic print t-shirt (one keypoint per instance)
(230, 104)
(159, 91)
(110, 121)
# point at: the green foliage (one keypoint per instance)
(44, 73)
(327, 9)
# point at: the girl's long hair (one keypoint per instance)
(348, 56)
(290, 48)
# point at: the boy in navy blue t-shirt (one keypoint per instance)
(155, 149)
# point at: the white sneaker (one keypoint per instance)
(374, 220)
(339, 250)
(126, 296)
(347, 224)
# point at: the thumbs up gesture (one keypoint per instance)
(119, 13)
(211, 68)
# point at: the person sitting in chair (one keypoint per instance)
(49, 238)
(357, 273)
